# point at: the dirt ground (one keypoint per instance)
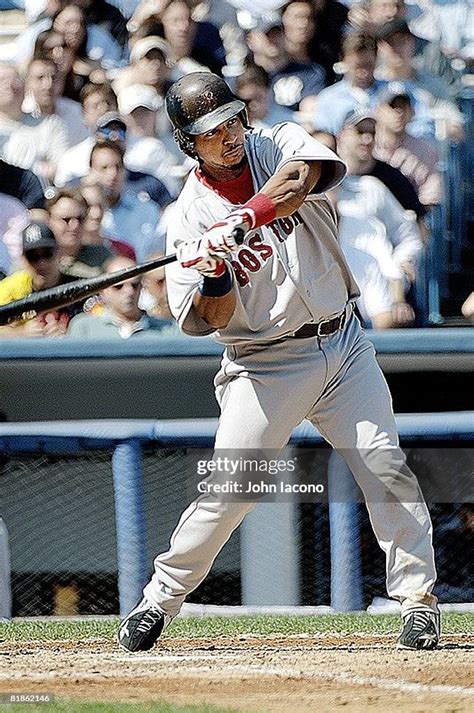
(252, 673)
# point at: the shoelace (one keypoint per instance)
(420, 620)
(147, 622)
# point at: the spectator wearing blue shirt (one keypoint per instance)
(434, 110)
(75, 162)
(120, 316)
(129, 218)
(358, 89)
(188, 39)
(292, 80)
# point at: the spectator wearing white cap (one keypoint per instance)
(112, 127)
(148, 65)
(96, 101)
(139, 105)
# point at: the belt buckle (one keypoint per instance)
(320, 324)
(342, 320)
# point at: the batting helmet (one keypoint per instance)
(199, 102)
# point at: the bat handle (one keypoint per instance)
(238, 235)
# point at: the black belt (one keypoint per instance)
(324, 328)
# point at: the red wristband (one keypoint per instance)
(263, 209)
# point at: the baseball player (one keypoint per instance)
(281, 302)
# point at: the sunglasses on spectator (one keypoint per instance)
(67, 218)
(113, 133)
(36, 255)
(365, 130)
(135, 285)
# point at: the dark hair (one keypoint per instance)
(111, 145)
(72, 193)
(292, 2)
(252, 74)
(105, 89)
(82, 49)
(40, 50)
(152, 26)
(358, 42)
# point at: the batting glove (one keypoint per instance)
(194, 254)
(219, 239)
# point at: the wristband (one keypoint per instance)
(261, 209)
(216, 286)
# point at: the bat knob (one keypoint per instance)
(238, 235)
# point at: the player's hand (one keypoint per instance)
(219, 240)
(194, 254)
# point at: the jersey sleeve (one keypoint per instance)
(290, 142)
(182, 283)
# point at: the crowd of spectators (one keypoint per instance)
(90, 170)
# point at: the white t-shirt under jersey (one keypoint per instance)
(287, 273)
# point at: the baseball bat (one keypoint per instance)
(63, 295)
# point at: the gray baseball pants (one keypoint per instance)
(264, 391)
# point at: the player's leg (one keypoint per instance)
(355, 415)
(261, 401)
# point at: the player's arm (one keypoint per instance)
(216, 311)
(214, 300)
(288, 188)
(279, 197)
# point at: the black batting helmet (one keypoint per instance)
(199, 102)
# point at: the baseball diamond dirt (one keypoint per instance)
(249, 672)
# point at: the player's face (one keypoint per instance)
(223, 147)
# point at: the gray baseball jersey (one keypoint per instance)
(287, 273)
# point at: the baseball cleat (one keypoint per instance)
(420, 630)
(142, 627)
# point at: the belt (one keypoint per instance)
(324, 328)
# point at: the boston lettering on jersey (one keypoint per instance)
(248, 261)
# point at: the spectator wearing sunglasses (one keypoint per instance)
(67, 212)
(41, 270)
(110, 127)
(122, 317)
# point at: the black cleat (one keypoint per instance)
(420, 631)
(142, 627)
